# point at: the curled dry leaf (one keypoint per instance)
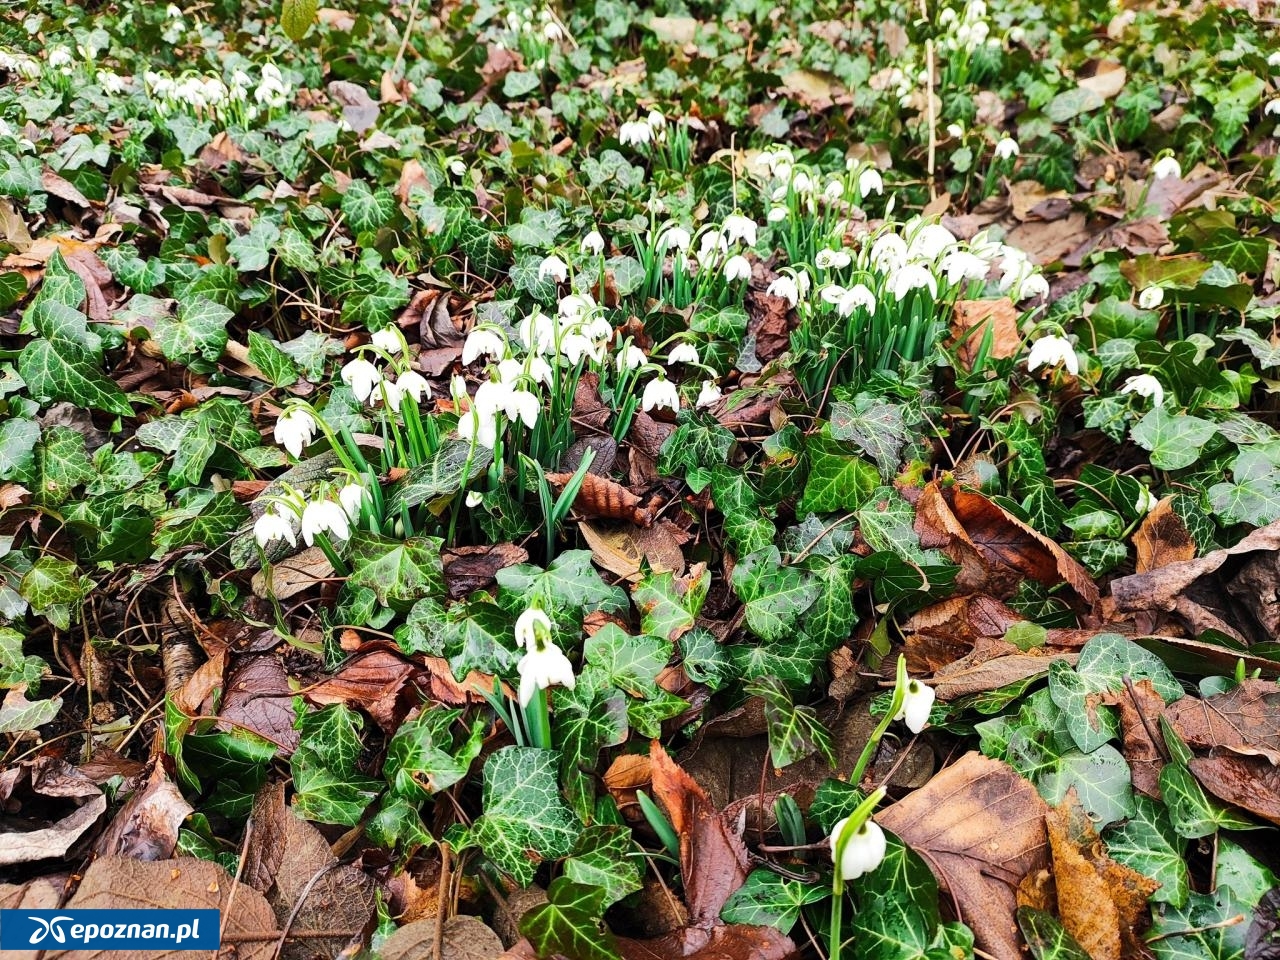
(1251, 783)
(1140, 709)
(146, 828)
(51, 786)
(602, 497)
(623, 549)
(1162, 539)
(468, 569)
(375, 680)
(980, 828)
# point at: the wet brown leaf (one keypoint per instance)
(1162, 538)
(1251, 783)
(146, 827)
(358, 108)
(993, 674)
(725, 942)
(468, 569)
(605, 498)
(293, 575)
(1244, 720)
(980, 827)
(623, 549)
(1045, 242)
(375, 680)
(258, 698)
(971, 321)
(117, 883)
(1144, 748)
(463, 938)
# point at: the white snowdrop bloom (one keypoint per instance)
(916, 704)
(352, 497)
(415, 385)
(930, 241)
(630, 357)
(827, 259)
(711, 247)
(458, 388)
(673, 237)
(786, 288)
(656, 121)
(848, 300)
(527, 625)
(478, 427)
(660, 392)
(683, 352)
(575, 346)
(634, 131)
(777, 214)
(737, 268)
(111, 83)
(955, 131)
(553, 267)
(709, 395)
(863, 852)
(1049, 351)
(1166, 167)
(456, 166)
(524, 406)
(888, 252)
(598, 329)
(295, 430)
(576, 306)
(960, 265)
(544, 665)
(274, 525)
(869, 182)
(492, 396)
(1035, 285)
(737, 227)
(802, 183)
(215, 91)
(59, 57)
(1016, 35)
(1273, 60)
(539, 371)
(474, 499)
(1007, 148)
(1151, 297)
(592, 244)
(552, 31)
(833, 190)
(1015, 268)
(483, 342)
(1146, 501)
(324, 517)
(388, 393)
(1145, 385)
(388, 340)
(510, 370)
(538, 332)
(910, 277)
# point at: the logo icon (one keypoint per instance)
(48, 927)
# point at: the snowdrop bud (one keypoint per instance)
(474, 499)
(709, 395)
(833, 190)
(869, 182)
(737, 268)
(527, 626)
(1151, 297)
(863, 852)
(1146, 501)
(1007, 148)
(456, 166)
(593, 243)
(351, 497)
(777, 214)
(552, 31)
(414, 384)
(1166, 167)
(674, 238)
(916, 704)
(1034, 286)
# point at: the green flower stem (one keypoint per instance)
(537, 717)
(899, 692)
(339, 565)
(856, 819)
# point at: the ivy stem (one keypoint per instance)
(868, 751)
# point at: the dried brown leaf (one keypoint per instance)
(146, 827)
(971, 321)
(602, 497)
(1244, 720)
(1162, 538)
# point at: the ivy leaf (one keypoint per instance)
(253, 250)
(57, 370)
(1254, 496)
(61, 284)
(1047, 938)
(18, 439)
(1101, 780)
(205, 517)
(1191, 812)
(837, 481)
(699, 442)
(1174, 440)
(537, 228)
(590, 717)
(570, 584)
(664, 611)
(374, 299)
(832, 618)
(63, 465)
(424, 757)
(878, 428)
(605, 857)
(296, 17)
(1203, 929)
(366, 208)
(296, 251)
(198, 331)
(569, 923)
(794, 662)
(271, 360)
(19, 715)
(630, 663)
(327, 786)
(441, 476)
(17, 669)
(646, 716)
(774, 595)
(1147, 843)
(310, 351)
(770, 899)
(891, 928)
(525, 821)
(399, 572)
(795, 732)
(52, 582)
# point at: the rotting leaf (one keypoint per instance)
(1244, 720)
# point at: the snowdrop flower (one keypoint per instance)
(576, 306)
(1145, 385)
(544, 665)
(916, 704)
(478, 427)
(869, 182)
(1146, 501)
(682, 353)
(598, 329)
(961, 265)
(552, 31)
(888, 253)
(523, 406)
(1049, 351)
(592, 244)
(930, 241)
(630, 357)
(913, 276)
(846, 301)
(456, 166)
(295, 430)
(1015, 268)
(509, 371)
(111, 83)
(1151, 297)
(575, 346)
(656, 121)
(539, 371)
(955, 130)
(634, 131)
(1272, 108)
(709, 395)
(361, 376)
(1007, 148)
(801, 183)
(413, 384)
(351, 497)
(737, 268)
(863, 852)
(827, 259)
(323, 517)
(553, 267)
(660, 392)
(274, 525)
(492, 396)
(674, 237)
(1166, 166)
(387, 392)
(527, 625)
(777, 214)
(1033, 286)
(786, 288)
(737, 227)
(538, 332)
(388, 340)
(483, 342)
(474, 499)
(1274, 59)
(60, 57)
(833, 190)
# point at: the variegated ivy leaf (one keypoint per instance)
(525, 820)
(199, 331)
